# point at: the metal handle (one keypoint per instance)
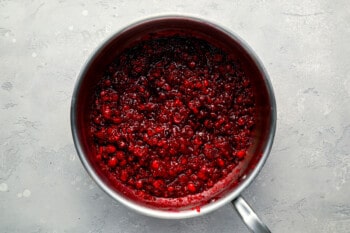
(251, 220)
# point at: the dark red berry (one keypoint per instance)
(241, 153)
(112, 162)
(191, 187)
(155, 164)
(110, 149)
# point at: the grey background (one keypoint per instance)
(305, 46)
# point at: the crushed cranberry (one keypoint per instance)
(171, 117)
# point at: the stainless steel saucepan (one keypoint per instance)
(264, 130)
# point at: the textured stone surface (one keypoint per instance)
(304, 186)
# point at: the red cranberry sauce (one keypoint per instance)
(172, 117)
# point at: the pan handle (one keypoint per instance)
(251, 220)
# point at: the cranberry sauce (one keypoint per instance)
(171, 117)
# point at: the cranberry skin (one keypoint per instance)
(171, 119)
(112, 162)
(158, 184)
(155, 164)
(124, 175)
(191, 187)
(139, 184)
(220, 162)
(240, 154)
(120, 155)
(241, 121)
(110, 149)
(99, 157)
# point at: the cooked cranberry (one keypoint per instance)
(192, 64)
(112, 162)
(120, 155)
(124, 175)
(191, 187)
(170, 189)
(139, 184)
(155, 164)
(110, 149)
(240, 121)
(172, 117)
(99, 157)
(220, 162)
(241, 154)
(158, 184)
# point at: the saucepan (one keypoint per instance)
(264, 130)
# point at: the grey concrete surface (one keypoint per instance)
(305, 46)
